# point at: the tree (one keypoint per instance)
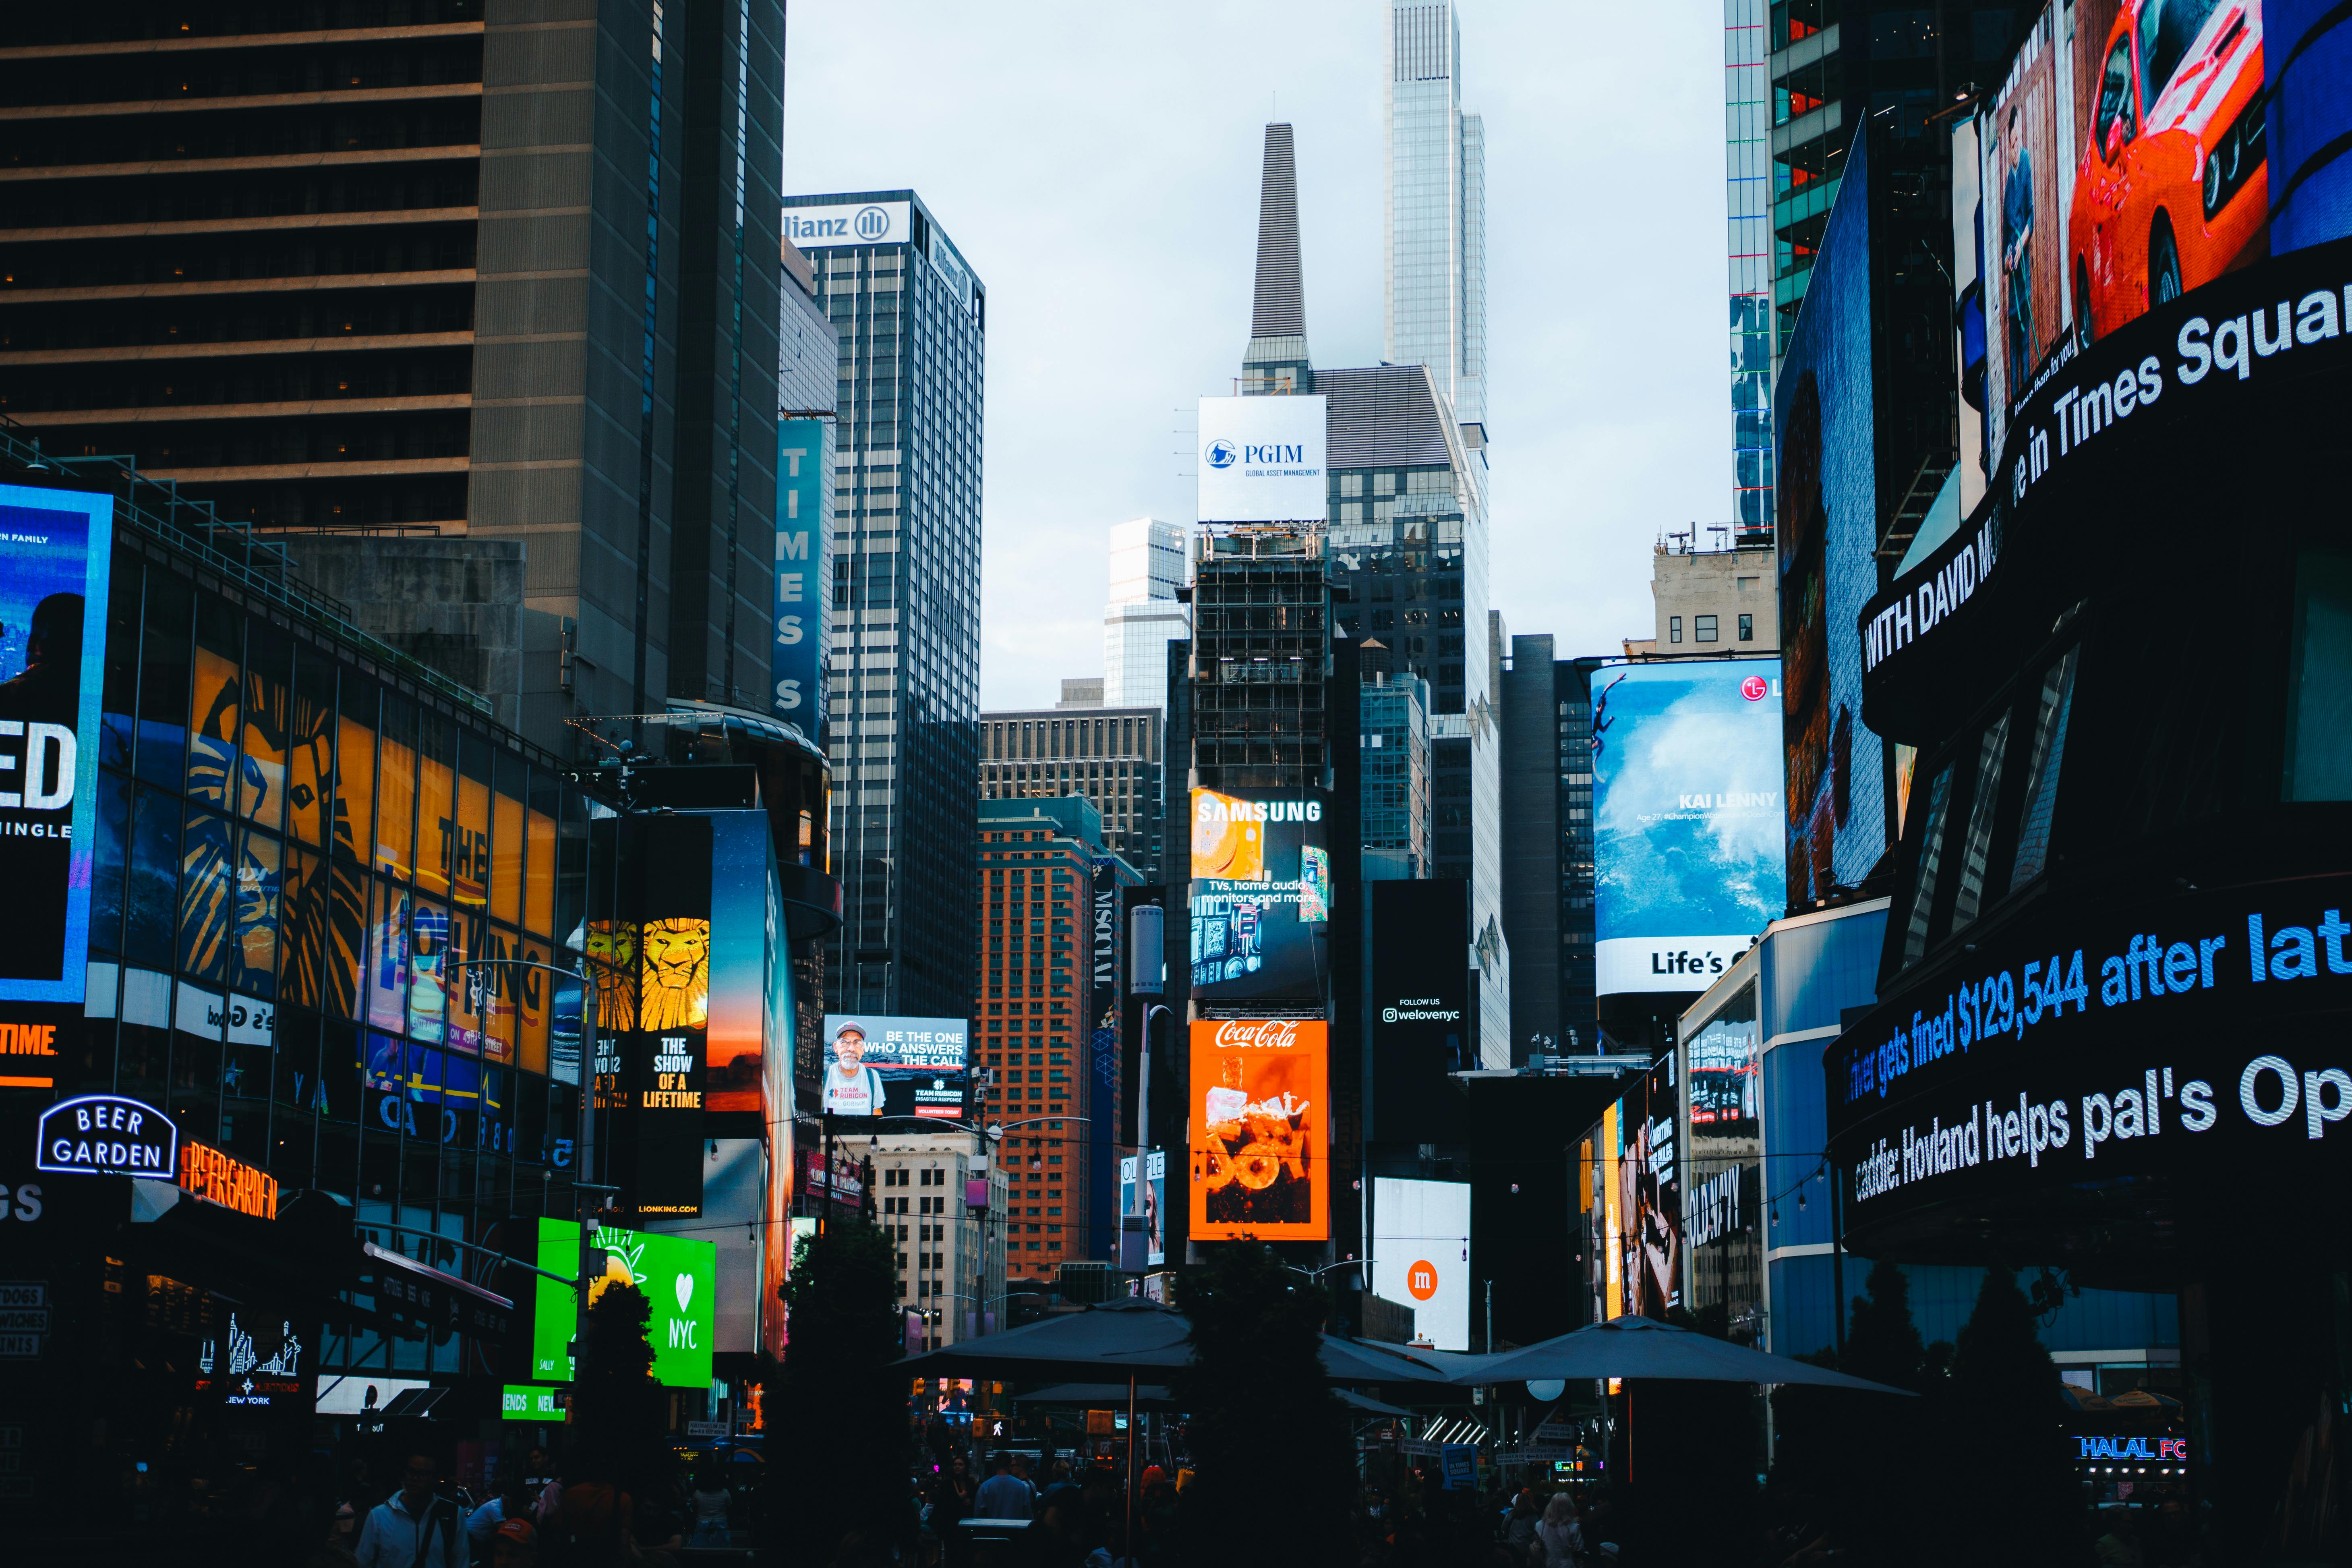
(617, 1417)
(1882, 1342)
(837, 1411)
(2003, 1411)
(1274, 1468)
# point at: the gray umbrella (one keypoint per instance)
(1121, 1339)
(1644, 1347)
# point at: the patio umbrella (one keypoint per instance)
(1368, 1362)
(1644, 1347)
(1099, 1395)
(1121, 1338)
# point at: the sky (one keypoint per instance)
(1097, 165)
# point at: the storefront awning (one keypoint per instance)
(408, 1290)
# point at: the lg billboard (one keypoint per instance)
(1261, 459)
(1687, 807)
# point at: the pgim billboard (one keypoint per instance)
(1687, 799)
(1263, 459)
(55, 548)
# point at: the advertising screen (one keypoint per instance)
(1420, 1255)
(896, 1066)
(1723, 1054)
(1650, 1194)
(2133, 153)
(1153, 1197)
(1687, 806)
(804, 568)
(56, 547)
(1421, 1003)
(1260, 1113)
(677, 1274)
(1261, 459)
(1261, 897)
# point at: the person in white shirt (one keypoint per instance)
(851, 1088)
(414, 1528)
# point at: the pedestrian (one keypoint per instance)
(515, 1545)
(415, 1527)
(515, 1499)
(1004, 1495)
(954, 1497)
(1560, 1535)
(2119, 1547)
(710, 1503)
(1520, 1525)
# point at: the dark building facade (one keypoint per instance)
(903, 694)
(468, 271)
(1109, 755)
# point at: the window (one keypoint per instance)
(1923, 883)
(1970, 897)
(1674, 629)
(2042, 769)
(1702, 629)
(2116, 117)
(1747, 628)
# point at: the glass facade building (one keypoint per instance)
(1748, 185)
(1435, 196)
(905, 678)
(1146, 568)
(1393, 776)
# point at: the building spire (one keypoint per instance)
(1277, 358)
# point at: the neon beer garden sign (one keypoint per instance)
(210, 1174)
(108, 1135)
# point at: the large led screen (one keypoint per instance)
(1261, 459)
(1260, 1112)
(677, 1274)
(1420, 1255)
(1686, 805)
(1261, 897)
(877, 1066)
(2134, 153)
(55, 551)
(1649, 1194)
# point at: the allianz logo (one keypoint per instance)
(867, 223)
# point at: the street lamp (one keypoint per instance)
(584, 1144)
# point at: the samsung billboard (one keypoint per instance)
(1261, 459)
(1687, 802)
(1261, 897)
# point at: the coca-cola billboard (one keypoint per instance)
(1259, 1108)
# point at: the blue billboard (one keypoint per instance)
(56, 547)
(1688, 803)
(803, 574)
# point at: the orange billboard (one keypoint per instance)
(1260, 1114)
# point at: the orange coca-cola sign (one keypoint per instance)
(1260, 1116)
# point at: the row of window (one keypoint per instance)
(1704, 628)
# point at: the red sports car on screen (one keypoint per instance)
(2173, 183)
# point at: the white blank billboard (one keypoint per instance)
(1420, 1255)
(1261, 459)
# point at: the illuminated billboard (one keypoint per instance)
(1154, 1196)
(693, 989)
(1261, 459)
(677, 1274)
(896, 1066)
(1261, 897)
(1650, 1193)
(1420, 1004)
(1420, 1255)
(55, 548)
(1686, 807)
(2133, 153)
(1259, 1109)
(803, 571)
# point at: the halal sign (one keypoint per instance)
(109, 1135)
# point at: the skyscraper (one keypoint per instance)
(1796, 84)
(1435, 202)
(1407, 536)
(906, 592)
(496, 277)
(1143, 617)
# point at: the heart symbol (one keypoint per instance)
(685, 1290)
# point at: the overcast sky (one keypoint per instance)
(1097, 164)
